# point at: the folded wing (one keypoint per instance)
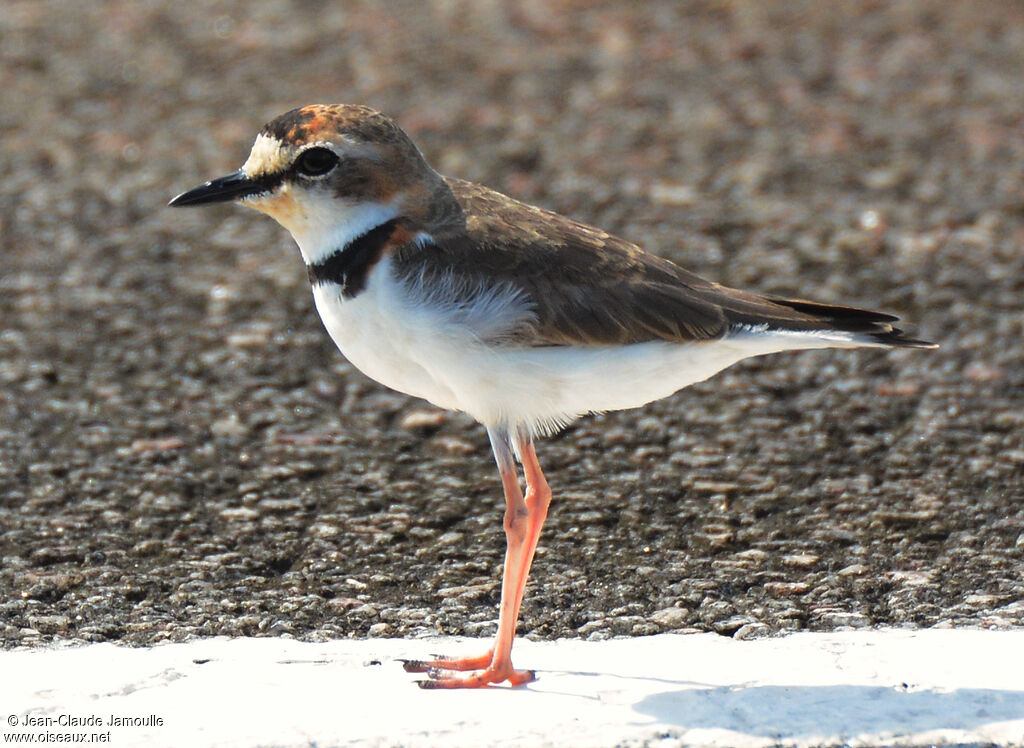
(587, 287)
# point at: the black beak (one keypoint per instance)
(220, 190)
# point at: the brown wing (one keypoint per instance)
(588, 287)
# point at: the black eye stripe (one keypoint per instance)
(269, 182)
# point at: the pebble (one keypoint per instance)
(453, 445)
(786, 589)
(166, 444)
(853, 570)
(843, 619)
(671, 618)
(753, 630)
(423, 420)
(229, 426)
(801, 560)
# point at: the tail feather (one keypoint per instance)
(871, 326)
(894, 338)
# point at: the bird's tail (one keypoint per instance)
(873, 328)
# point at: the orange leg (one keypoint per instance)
(524, 518)
(538, 499)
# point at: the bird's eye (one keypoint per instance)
(316, 162)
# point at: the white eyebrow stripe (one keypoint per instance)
(268, 156)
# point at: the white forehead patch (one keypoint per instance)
(268, 156)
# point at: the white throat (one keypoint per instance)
(323, 224)
(338, 226)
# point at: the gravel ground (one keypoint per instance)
(183, 452)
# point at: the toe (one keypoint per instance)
(415, 666)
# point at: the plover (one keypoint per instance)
(520, 317)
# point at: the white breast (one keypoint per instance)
(418, 342)
(375, 333)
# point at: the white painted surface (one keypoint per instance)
(860, 688)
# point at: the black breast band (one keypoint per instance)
(350, 265)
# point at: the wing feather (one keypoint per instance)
(587, 287)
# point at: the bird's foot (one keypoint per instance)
(448, 679)
(441, 662)
(442, 672)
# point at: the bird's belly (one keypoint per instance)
(545, 388)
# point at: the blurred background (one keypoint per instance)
(183, 452)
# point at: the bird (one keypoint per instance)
(520, 317)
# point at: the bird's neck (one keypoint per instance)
(349, 266)
(326, 229)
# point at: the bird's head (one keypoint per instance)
(329, 172)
